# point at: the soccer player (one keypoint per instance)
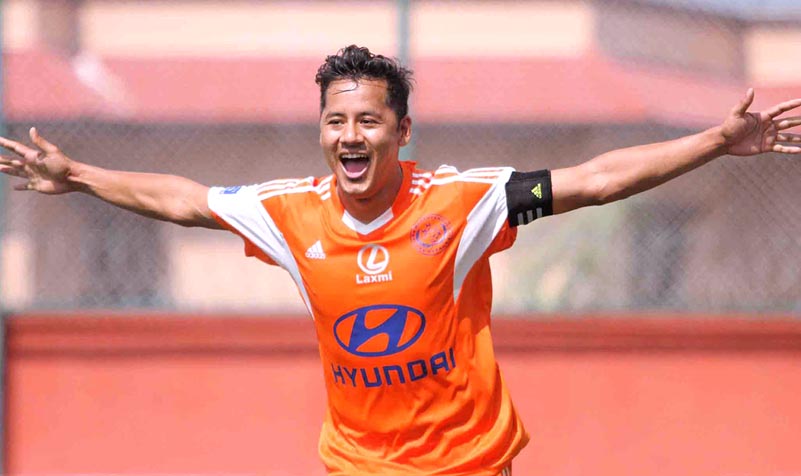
(392, 261)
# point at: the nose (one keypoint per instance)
(351, 134)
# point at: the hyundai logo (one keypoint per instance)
(379, 330)
(373, 259)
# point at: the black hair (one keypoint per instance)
(355, 63)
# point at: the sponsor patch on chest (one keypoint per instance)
(373, 261)
(431, 234)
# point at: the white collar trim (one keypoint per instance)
(367, 228)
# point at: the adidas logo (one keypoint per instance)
(315, 251)
(537, 191)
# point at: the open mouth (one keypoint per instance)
(354, 165)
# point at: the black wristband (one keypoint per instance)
(528, 196)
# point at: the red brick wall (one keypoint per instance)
(145, 394)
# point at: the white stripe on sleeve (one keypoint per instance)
(483, 224)
(242, 209)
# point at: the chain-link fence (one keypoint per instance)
(223, 93)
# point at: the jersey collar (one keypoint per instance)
(398, 205)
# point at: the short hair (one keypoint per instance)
(355, 63)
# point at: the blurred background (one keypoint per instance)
(658, 335)
(224, 93)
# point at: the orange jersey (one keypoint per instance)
(401, 307)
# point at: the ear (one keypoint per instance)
(405, 131)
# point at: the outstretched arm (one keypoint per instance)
(621, 173)
(165, 197)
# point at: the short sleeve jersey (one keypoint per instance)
(401, 308)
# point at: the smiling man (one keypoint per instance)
(361, 134)
(392, 261)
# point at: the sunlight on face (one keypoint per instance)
(361, 136)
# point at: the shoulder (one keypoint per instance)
(307, 187)
(278, 198)
(448, 178)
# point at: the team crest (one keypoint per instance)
(431, 234)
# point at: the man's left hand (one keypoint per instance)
(751, 133)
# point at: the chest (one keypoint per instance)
(409, 262)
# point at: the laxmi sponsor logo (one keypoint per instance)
(315, 251)
(373, 260)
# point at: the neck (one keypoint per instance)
(369, 208)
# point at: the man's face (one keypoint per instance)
(361, 136)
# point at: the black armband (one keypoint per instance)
(528, 196)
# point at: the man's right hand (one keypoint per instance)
(44, 168)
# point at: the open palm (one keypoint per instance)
(44, 168)
(751, 133)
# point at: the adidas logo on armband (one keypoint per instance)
(315, 251)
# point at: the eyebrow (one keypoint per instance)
(360, 114)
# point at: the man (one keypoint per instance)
(393, 262)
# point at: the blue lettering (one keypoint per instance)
(396, 368)
(352, 375)
(367, 382)
(439, 361)
(423, 369)
(411, 371)
(337, 373)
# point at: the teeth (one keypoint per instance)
(353, 156)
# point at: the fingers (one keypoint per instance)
(788, 122)
(783, 107)
(41, 142)
(13, 171)
(17, 172)
(788, 137)
(16, 147)
(13, 167)
(27, 152)
(786, 149)
(9, 161)
(741, 108)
